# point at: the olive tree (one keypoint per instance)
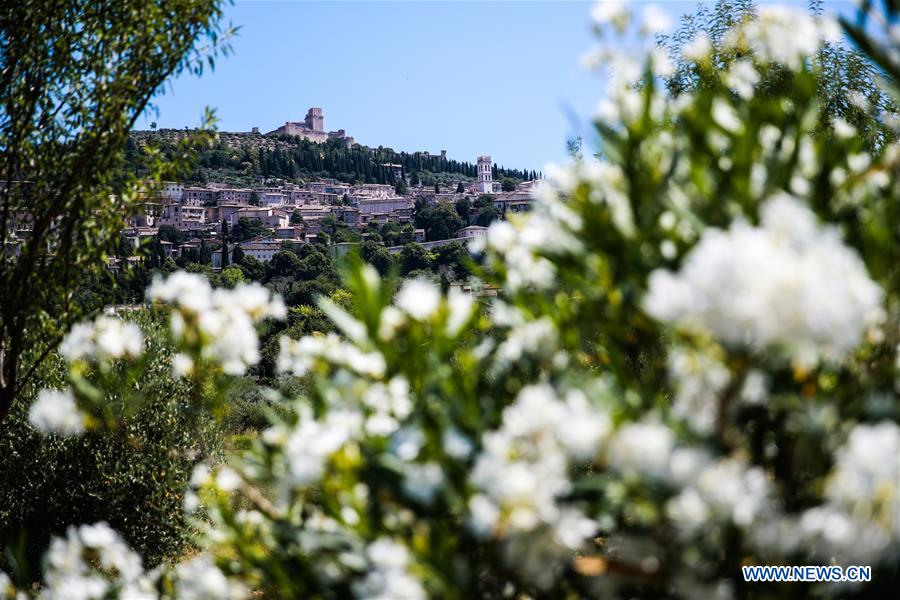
(74, 78)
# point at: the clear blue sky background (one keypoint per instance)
(498, 78)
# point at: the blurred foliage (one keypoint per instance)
(74, 78)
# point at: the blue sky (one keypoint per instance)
(498, 78)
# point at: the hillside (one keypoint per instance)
(248, 158)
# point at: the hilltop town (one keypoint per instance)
(212, 217)
(293, 213)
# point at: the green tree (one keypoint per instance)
(440, 221)
(508, 185)
(254, 198)
(237, 255)
(377, 256)
(848, 74)
(170, 233)
(205, 256)
(460, 188)
(453, 259)
(224, 244)
(486, 215)
(414, 257)
(400, 188)
(252, 268)
(437, 187)
(296, 218)
(247, 229)
(231, 276)
(74, 79)
(462, 209)
(482, 201)
(283, 264)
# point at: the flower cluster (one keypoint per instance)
(93, 561)
(298, 357)
(104, 339)
(727, 490)
(523, 473)
(788, 285)
(55, 411)
(215, 325)
(389, 575)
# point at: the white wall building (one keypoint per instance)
(484, 168)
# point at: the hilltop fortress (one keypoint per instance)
(312, 128)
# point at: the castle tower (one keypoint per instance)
(315, 120)
(485, 175)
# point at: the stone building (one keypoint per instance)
(484, 169)
(312, 128)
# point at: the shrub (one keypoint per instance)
(133, 477)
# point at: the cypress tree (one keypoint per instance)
(224, 243)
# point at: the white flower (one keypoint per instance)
(254, 300)
(201, 578)
(614, 12)
(182, 365)
(5, 584)
(581, 427)
(483, 515)
(725, 116)
(422, 481)
(389, 577)
(228, 479)
(742, 77)
(522, 474)
(298, 357)
(68, 574)
(55, 411)
(501, 235)
(199, 475)
(407, 442)
(457, 445)
(688, 509)
(312, 441)
(573, 528)
(390, 403)
(222, 320)
(843, 129)
(697, 49)
(391, 320)
(832, 533)
(866, 476)
(188, 290)
(727, 490)
(755, 388)
(699, 379)
(106, 338)
(789, 284)
(779, 35)
(419, 299)
(655, 20)
(532, 338)
(461, 307)
(642, 448)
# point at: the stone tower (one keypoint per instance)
(315, 120)
(484, 169)
(485, 175)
